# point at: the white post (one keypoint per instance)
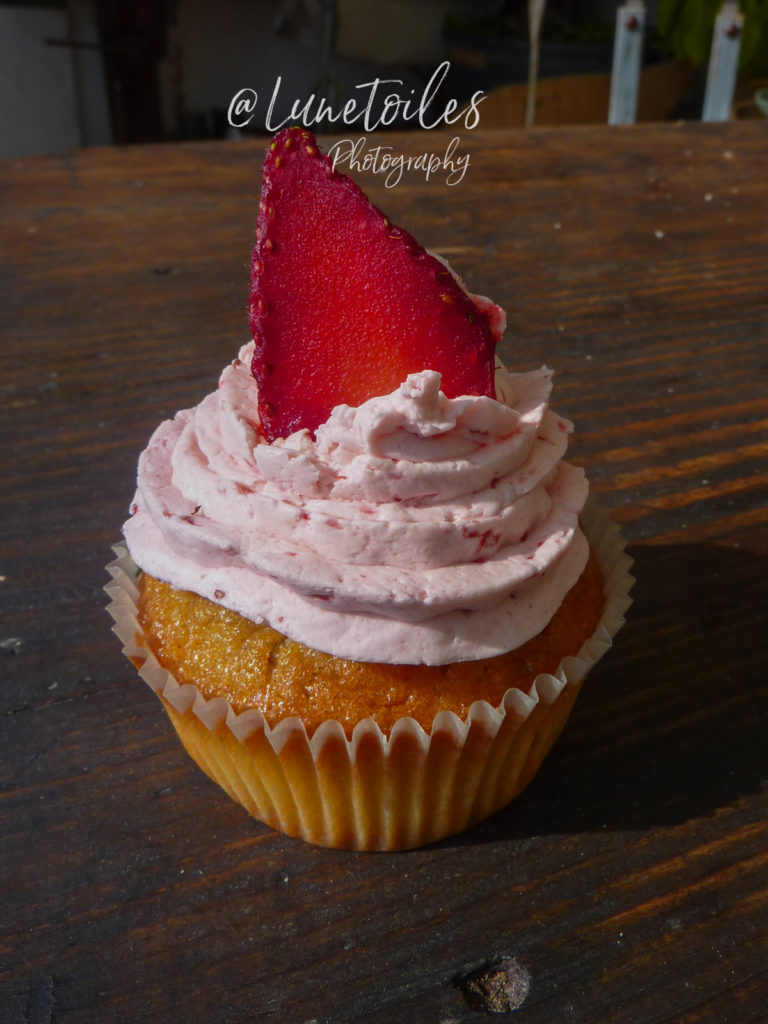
(723, 64)
(535, 16)
(627, 61)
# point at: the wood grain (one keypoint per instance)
(629, 884)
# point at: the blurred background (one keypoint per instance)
(97, 72)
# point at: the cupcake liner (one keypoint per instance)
(371, 791)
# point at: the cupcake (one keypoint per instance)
(360, 575)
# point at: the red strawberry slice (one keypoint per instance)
(344, 304)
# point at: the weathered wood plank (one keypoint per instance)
(630, 881)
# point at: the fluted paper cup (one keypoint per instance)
(371, 791)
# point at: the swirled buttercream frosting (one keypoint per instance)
(411, 529)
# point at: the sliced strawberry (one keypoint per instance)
(344, 304)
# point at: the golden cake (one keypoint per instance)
(252, 666)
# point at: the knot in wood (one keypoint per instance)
(499, 986)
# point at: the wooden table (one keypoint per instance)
(630, 882)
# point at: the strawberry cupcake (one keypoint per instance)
(370, 587)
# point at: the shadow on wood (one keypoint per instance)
(651, 739)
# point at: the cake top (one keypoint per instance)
(344, 304)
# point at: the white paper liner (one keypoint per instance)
(483, 786)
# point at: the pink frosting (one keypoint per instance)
(413, 529)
